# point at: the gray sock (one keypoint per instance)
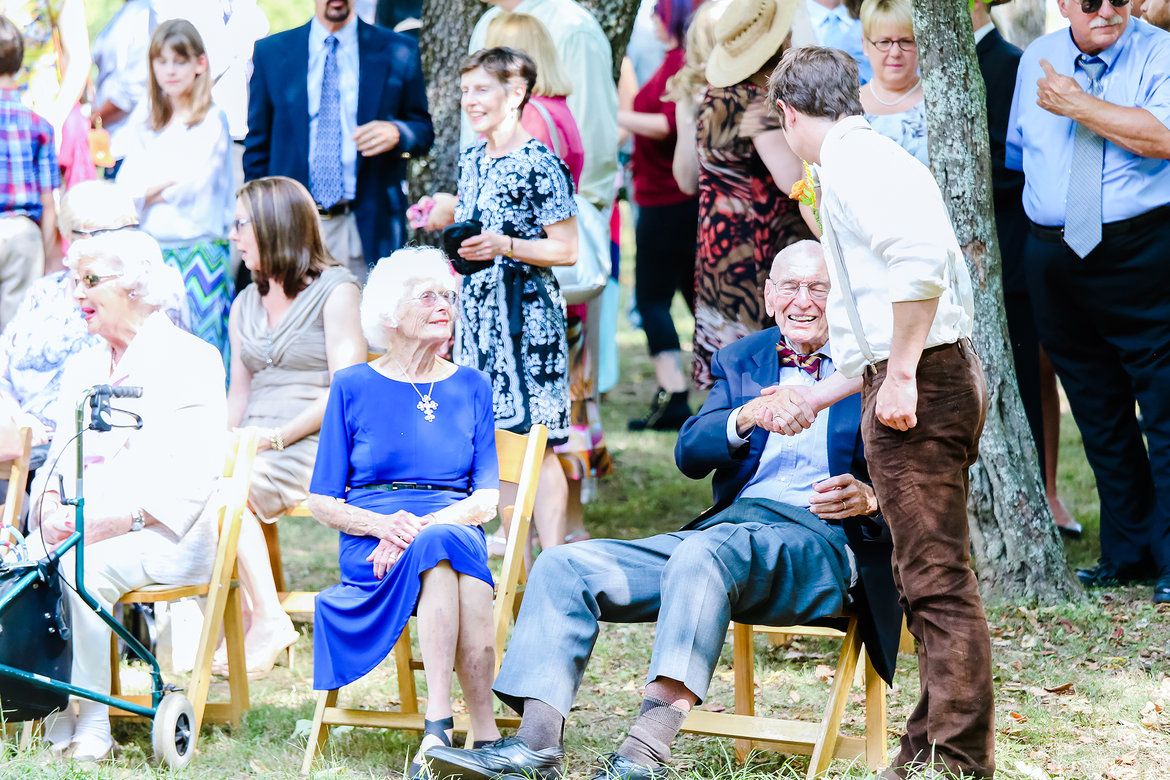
(648, 742)
(541, 726)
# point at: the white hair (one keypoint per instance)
(392, 280)
(96, 205)
(803, 248)
(136, 257)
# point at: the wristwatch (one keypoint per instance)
(137, 520)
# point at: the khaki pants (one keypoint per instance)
(920, 477)
(22, 260)
(343, 242)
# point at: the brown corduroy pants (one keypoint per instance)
(920, 477)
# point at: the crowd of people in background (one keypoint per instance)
(188, 192)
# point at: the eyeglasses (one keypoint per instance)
(92, 280)
(818, 291)
(100, 231)
(431, 298)
(239, 223)
(1093, 6)
(909, 44)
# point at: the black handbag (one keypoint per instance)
(453, 237)
(36, 637)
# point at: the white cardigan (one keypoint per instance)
(169, 467)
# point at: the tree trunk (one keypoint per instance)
(1018, 552)
(1021, 21)
(447, 26)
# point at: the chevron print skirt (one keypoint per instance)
(205, 268)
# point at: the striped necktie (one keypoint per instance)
(325, 168)
(1082, 206)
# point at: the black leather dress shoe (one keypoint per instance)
(1162, 590)
(505, 758)
(615, 767)
(1111, 573)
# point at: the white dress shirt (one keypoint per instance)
(201, 202)
(887, 239)
(588, 61)
(347, 73)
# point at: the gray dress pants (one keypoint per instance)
(757, 561)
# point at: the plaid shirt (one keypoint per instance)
(28, 161)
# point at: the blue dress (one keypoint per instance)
(373, 432)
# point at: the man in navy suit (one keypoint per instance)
(340, 105)
(794, 536)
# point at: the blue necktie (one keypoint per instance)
(1082, 206)
(325, 167)
(834, 32)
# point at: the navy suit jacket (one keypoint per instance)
(390, 87)
(741, 370)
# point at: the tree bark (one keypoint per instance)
(1018, 552)
(447, 26)
(1021, 21)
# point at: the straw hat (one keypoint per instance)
(746, 36)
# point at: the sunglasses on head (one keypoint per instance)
(1093, 6)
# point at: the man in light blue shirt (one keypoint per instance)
(829, 23)
(1090, 129)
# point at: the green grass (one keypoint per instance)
(1078, 688)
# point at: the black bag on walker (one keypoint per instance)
(35, 636)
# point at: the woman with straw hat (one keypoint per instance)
(745, 173)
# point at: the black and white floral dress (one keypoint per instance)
(512, 315)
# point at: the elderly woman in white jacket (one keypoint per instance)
(145, 489)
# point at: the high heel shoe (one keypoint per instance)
(436, 728)
(260, 665)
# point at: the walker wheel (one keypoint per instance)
(173, 734)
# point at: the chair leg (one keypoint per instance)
(744, 673)
(272, 541)
(407, 692)
(320, 731)
(233, 621)
(875, 717)
(115, 667)
(826, 744)
(27, 732)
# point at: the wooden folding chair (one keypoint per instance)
(520, 458)
(16, 472)
(819, 739)
(223, 609)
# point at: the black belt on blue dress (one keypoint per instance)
(390, 487)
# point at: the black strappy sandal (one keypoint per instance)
(435, 728)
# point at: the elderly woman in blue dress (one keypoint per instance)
(407, 472)
(893, 101)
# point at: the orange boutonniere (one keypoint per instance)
(805, 191)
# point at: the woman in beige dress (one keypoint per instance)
(290, 330)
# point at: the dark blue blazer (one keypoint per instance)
(390, 87)
(741, 370)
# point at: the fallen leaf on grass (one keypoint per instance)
(1150, 715)
(1018, 717)
(1062, 688)
(824, 673)
(1031, 772)
(1128, 759)
(794, 697)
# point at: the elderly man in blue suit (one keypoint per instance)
(794, 536)
(340, 105)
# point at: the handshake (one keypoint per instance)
(786, 410)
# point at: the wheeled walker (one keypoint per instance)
(35, 635)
